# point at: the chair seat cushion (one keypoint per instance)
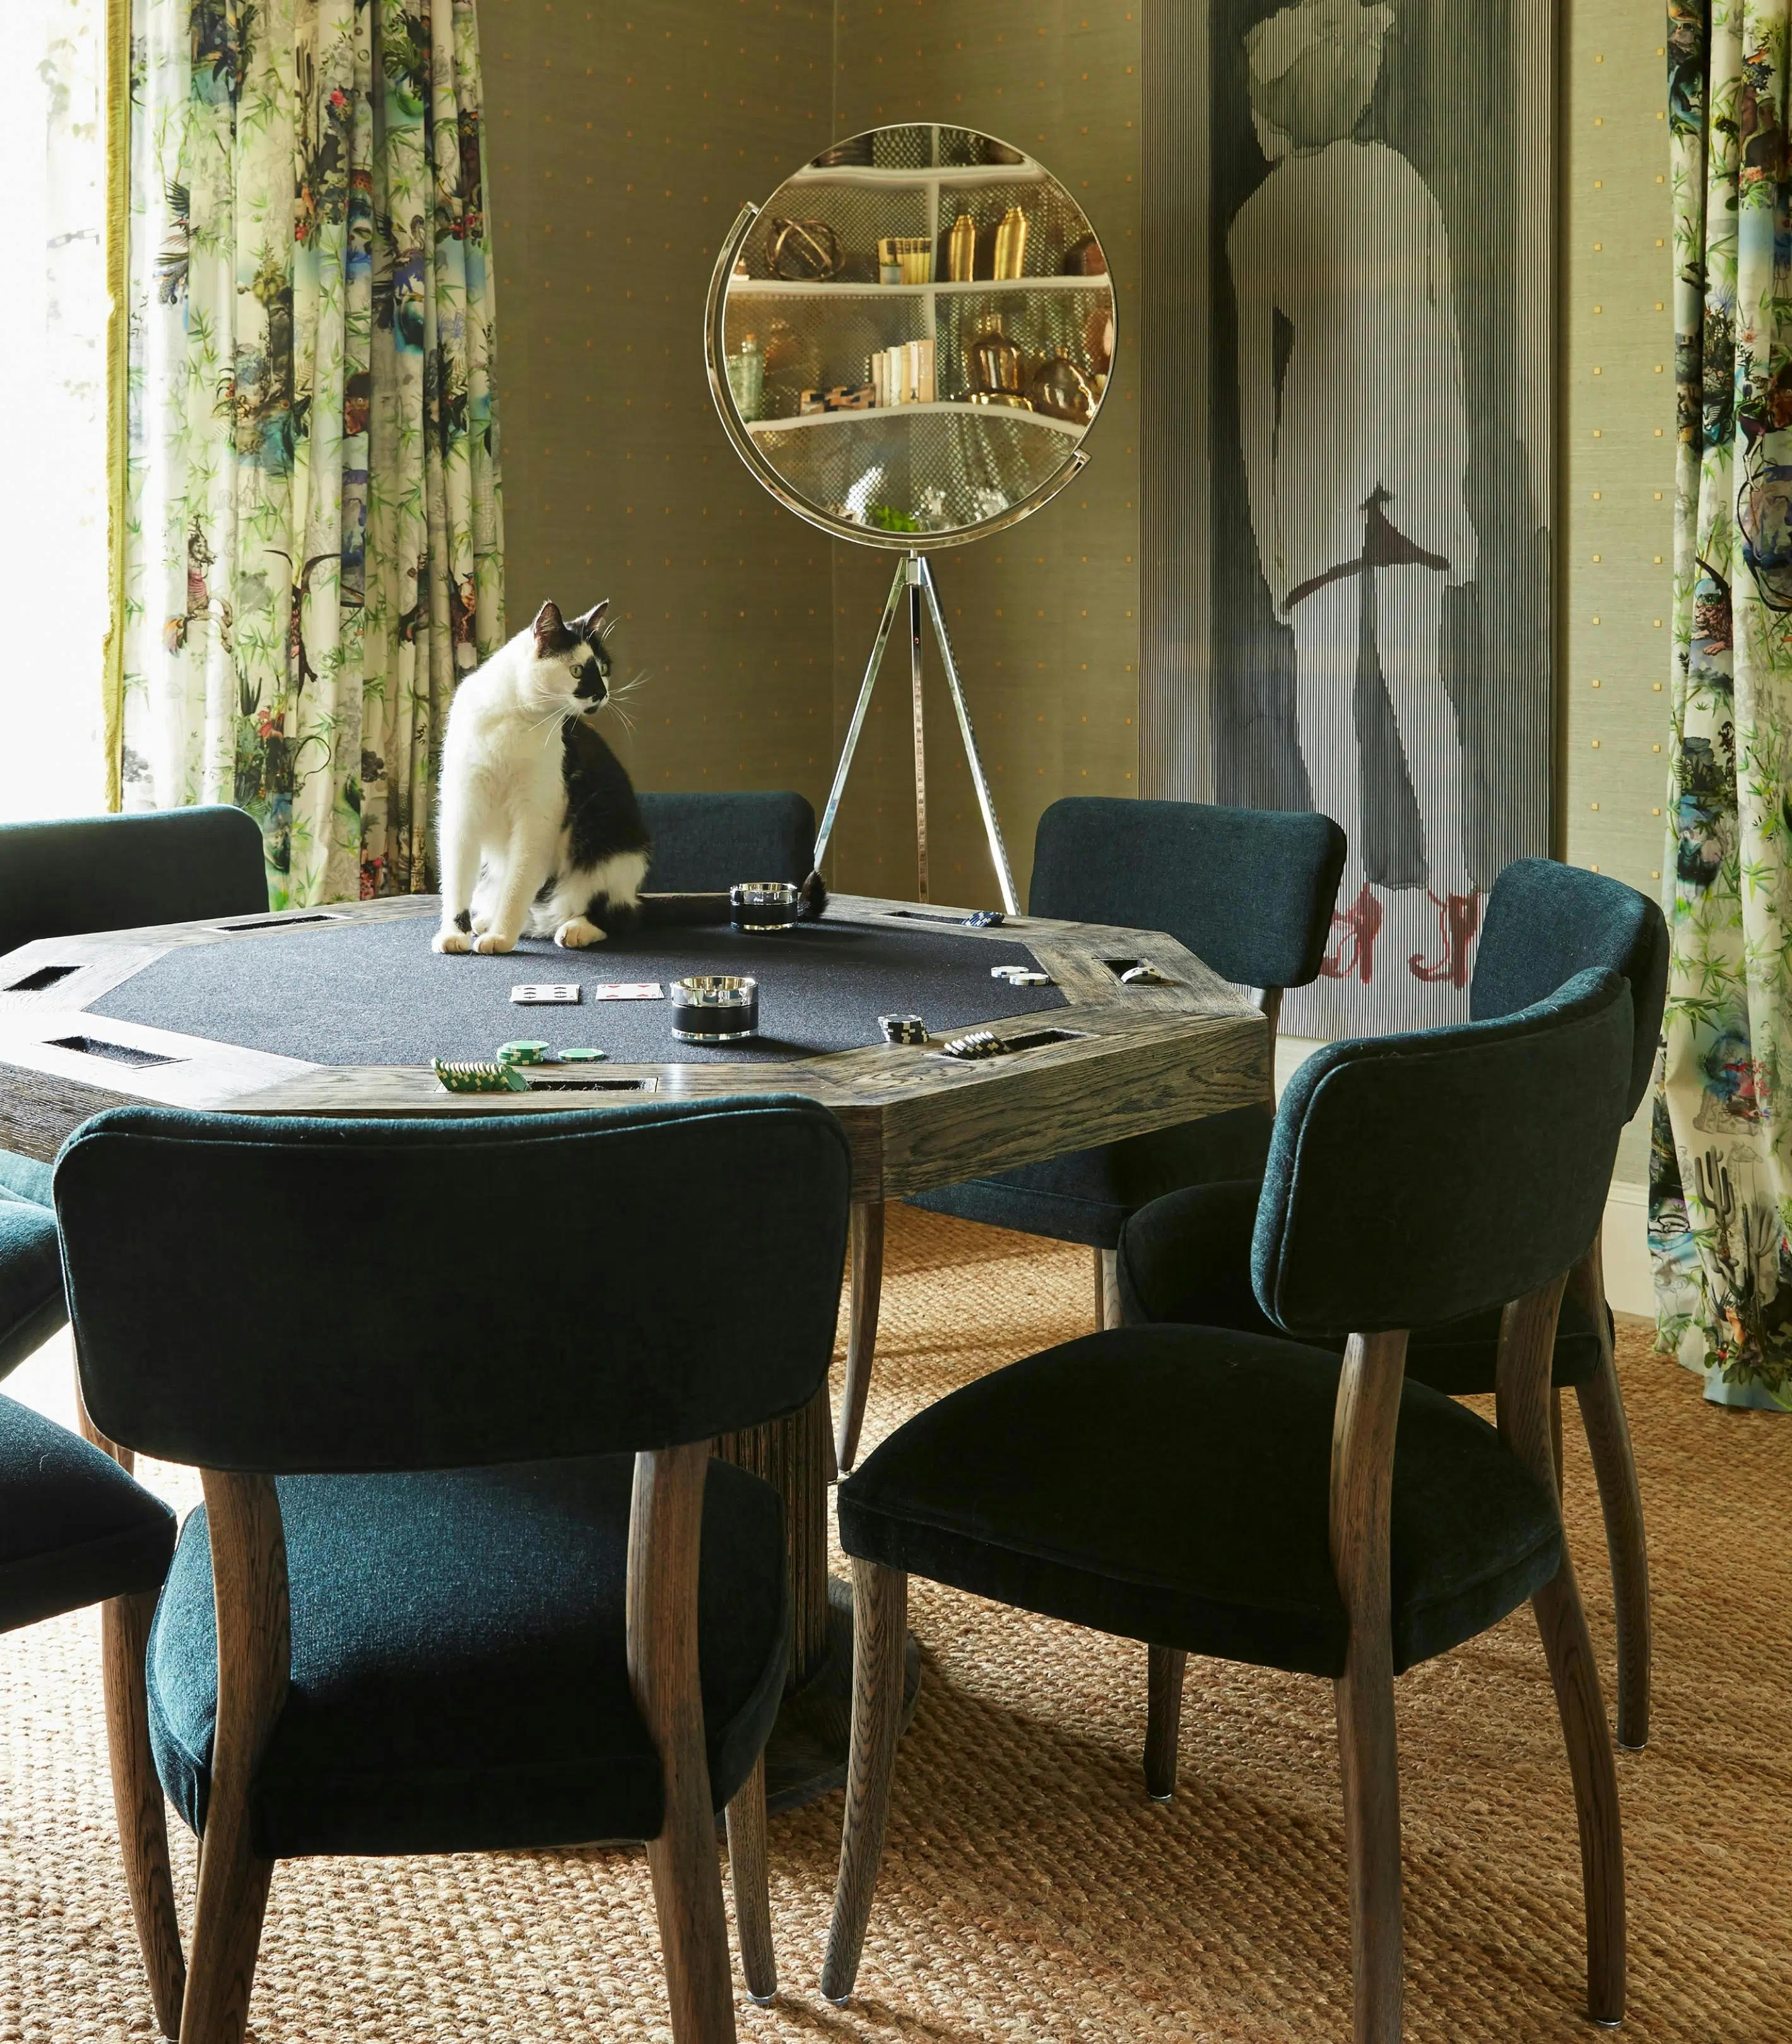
(1171, 1484)
(1187, 1258)
(25, 1177)
(460, 1667)
(74, 1529)
(32, 1305)
(1086, 1195)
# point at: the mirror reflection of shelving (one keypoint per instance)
(1009, 369)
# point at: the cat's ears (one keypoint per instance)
(554, 635)
(551, 634)
(588, 627)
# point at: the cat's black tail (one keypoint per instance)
(811, 899)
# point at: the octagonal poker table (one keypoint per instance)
(339, 1010)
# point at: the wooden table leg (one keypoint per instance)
(806, 1755)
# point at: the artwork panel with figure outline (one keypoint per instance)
(1379, 459)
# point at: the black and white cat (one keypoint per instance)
(539, 832)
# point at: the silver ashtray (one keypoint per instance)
(763, 904)
(715, 1008)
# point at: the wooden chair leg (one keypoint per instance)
(1555, 1450)
(1107, 1290)
(1527, 1337)
(665, 1523)
(746, 1872)
(136, 1795)
(233, 1884)
(1163, 1718)
(861, 1343)
(880, 1603)
(1364, 1431)
(1569, 1648)
(1369, 1759)
(249, 1573)
(1614, 1468)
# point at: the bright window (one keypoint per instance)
(52, 369)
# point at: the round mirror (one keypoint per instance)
(908, 341)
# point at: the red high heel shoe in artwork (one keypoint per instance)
(1354, 931)
(1459, 917)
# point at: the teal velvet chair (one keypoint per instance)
(1258, 1497)
(76, 1530)
(703, 842)
(78, 874)
(1250, 892)
(466, 1577)
(1186, 1257)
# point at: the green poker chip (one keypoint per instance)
(475, 1076)
(522, 1054)
(583, 1057)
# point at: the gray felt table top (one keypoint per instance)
(374, 993)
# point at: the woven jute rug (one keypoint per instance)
(1030, 1891)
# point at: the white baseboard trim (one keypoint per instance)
(1630, 1278)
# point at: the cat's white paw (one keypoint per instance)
(451, 940)
(494, 940)
(575, 935)
(481, 924)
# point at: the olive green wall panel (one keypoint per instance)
(623, 139)
(1044, 617)
(1621, 427)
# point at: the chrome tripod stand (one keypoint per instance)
(914, 579)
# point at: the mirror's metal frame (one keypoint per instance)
(914, 578)
(714, 351)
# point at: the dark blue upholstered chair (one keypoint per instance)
(75, 1529)
(704, 843)
(466, 1578)
(114, 873)
(1240, 1495)
(1250, 892)
(1186, 1257)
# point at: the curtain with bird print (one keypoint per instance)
(313, 548)
(1721, 1194)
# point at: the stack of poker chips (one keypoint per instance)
(902, 1028)
(977, 1044)
(476, 1075)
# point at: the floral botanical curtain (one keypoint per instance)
(53, 342)
(314, 542)
(1722, 1192)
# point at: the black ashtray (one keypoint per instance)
(715, 1008)
(763, 904)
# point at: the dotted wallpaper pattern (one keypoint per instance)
(1044, 617)
(623, 139)
(1621, 426)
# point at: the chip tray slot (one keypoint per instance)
(119, 1054)
(277, 923)
(45, 976)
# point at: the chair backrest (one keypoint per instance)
(1250, 892)
(1415, 1178)
(703, 842)
(1544, 922)
(114, 873)
(446, 1293)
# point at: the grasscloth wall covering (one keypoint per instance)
(1621, 455)
(622, 138)
(1044, 617)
